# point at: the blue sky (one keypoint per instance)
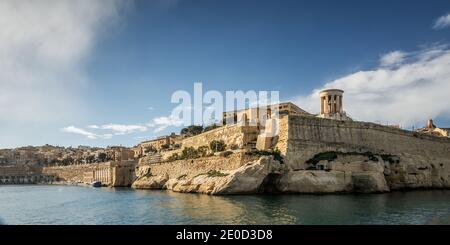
(117, 63)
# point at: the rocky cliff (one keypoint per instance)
(345, 174)
(319, 156)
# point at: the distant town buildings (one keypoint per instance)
(48, 155)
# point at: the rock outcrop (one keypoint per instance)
(151, 182)
(269, 175)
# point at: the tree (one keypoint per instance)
(210, 127)
(192, 130)
(217, 145)
(102, 156)
(203, 150)
(189, 153)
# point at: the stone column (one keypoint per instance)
(338, 104)
(333, 107)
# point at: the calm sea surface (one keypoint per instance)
(34, 204)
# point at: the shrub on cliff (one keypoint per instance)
(210, 127)
(102, 157)
(226, 153)
(215, 173)
(203, 151)
(332, 155)
(192, 130)
(217, 145)
(328, 155)
(275, 153)
(189, 153)
(174, 157)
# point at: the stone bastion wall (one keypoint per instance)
(236, 134)
(19, 170)
(190, 168)
(109, 173)
(308, 136)
(23, 174)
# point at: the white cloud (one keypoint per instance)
(442, 22)
(407, 94)
(150, 108)
(116, 129)
(43, 48)
(392, 59)
(75, 130)
(121, 129)
(162, 123)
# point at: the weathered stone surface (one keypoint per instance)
(306, 181)
(369, 182)
(246, 179)
(151, 182)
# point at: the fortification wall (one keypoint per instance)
(192, 167)
(283, 132)
(23, 174)
(309, 135)
(19, 169)
(231, 134)
(109, 173)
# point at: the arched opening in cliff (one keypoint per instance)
(270, 184)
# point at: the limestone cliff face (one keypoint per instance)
(414, 171)
(248, 178)
(347, 173)
(269, 175)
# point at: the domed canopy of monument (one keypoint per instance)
(331, 104)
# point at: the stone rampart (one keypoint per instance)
(24, 174)
(192, 167)
(109, 173)
(236, 134)
(309, 135)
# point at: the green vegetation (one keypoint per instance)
(212, 174)
(328, 155)
(226, 153)
(332, 155)
(210, 127)
(102, 156)
(174, 157)
(388, 158)
(217, 145)
(215, 173)
(275, 153)
(192, 130)
(190, 153)
(203, 150)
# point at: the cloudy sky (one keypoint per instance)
(103, 72)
